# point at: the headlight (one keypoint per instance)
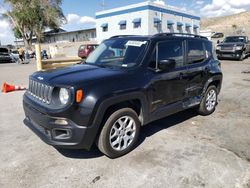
(218, 48)
(64, 96)
(238, 47)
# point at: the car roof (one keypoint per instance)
(161, 36)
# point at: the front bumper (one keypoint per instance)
(229, 54)
(70, 135)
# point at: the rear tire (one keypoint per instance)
(119, 133)
(209, 101)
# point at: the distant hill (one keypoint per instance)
(232, 24)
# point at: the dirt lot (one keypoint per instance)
(184, 150)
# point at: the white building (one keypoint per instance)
(147, 18)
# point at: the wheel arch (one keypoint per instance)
(135, 100)
(216, 81)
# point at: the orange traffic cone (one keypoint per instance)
(8, 88)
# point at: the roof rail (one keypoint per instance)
(118, 36)
(179, 34)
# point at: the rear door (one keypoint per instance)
(197, 62)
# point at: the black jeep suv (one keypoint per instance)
(233, 47)
(127, 82)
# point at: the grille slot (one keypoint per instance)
(40, 91)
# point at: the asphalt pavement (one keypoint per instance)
(181, 151)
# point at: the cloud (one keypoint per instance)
(6, 35)
(224, 7)
(199, 2)
(76, 19)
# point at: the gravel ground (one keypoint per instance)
(183, 150)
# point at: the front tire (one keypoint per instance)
(242, 57)
(209, 101)
(119, 133)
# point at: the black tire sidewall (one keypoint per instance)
(108, 150)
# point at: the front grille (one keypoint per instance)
(40, 91)
(227, 48)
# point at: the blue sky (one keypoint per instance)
(81, 14)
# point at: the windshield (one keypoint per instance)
(118, 52)
(235, 39)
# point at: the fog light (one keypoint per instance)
(61, 122)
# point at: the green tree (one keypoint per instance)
(32, 17)
(17, 33)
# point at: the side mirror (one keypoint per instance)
(166, 64)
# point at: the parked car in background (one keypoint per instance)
(14, 55)
(5, 56)
(85, 50)
(126, 83)
(233, 47)
(218, 35)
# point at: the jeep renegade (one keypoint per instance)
(125, 83)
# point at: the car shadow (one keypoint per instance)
(80, 153)
(146, 131)
(165, 123)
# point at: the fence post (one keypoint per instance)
(38, 57)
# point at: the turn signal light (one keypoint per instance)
(79, 95)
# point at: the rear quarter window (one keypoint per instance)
(195, 52)
(209, 49)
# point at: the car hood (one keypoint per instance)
(75, 75)
(231, 44)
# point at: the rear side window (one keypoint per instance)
(195, 52)
(209, 49)
(171, 50)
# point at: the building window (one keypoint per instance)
(157, 22)
(170, 24)
(104, 27)
(188, 26)
(123, 24)
(179, 27)
(137, 23)
(195, 29)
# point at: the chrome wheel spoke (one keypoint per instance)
(211, 100)
(122, 133)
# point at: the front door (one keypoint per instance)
(169, 87)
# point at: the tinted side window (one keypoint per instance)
(171, 50)
(152, 63)
(209, 49)
(195, 52)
